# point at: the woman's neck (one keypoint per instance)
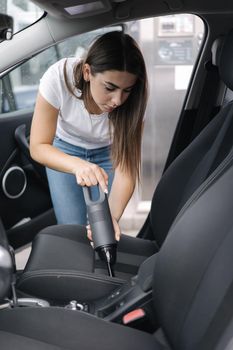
(92, 107)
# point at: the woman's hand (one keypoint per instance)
(90, 174)
(115, 226)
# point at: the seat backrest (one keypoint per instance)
(193, 275)
(207, 151)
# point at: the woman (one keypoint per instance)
(87, 126)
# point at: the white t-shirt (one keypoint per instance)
(75, 125)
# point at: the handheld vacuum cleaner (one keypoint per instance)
(103, 234)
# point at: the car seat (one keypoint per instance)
(192, 288)
(62, 264)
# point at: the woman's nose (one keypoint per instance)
(117, 99)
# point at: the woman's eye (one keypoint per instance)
(109, 88)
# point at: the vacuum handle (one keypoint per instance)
(100, 219)
(88, 199)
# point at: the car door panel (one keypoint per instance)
(25, 203)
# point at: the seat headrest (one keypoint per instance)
(222, 56)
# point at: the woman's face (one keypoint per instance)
(109, 89)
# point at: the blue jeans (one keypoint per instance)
(67, 195)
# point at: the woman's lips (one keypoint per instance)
(110, 108)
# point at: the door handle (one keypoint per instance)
(23, 144)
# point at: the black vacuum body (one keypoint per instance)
(103, 234)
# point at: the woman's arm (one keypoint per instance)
(43, 130)
(121, 192)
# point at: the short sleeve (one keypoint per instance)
(50, 84)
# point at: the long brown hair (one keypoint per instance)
(118, 51)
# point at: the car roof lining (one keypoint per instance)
(138, 8)
(49, 30)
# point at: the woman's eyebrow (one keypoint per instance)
(117, 87)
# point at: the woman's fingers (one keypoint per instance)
(89, 233)
(89, 174)
(115, 226)
(80, 181)
(102, 178)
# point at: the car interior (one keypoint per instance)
(172, 282)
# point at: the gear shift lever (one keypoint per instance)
(103, 234)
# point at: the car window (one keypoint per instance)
(20, 86)
(170, 45)
(24, 12)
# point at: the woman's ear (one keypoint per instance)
(86, 72)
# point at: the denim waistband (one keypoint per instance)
(79, 151)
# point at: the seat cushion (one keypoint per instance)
(19, 342)
(64, 266)
(57, 328)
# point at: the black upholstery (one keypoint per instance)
(192, 288)
(54, 328)
(194, 271)
(74, 262)
(65, 251)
